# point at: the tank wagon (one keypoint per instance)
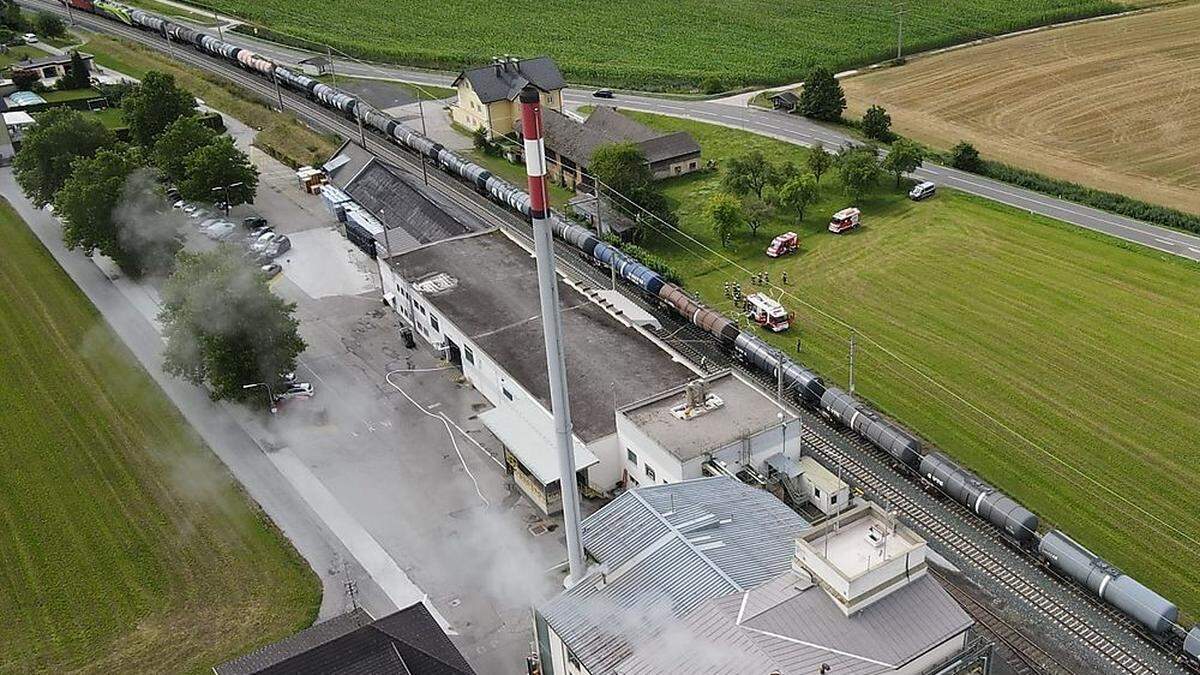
(1139, 602)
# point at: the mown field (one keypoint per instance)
(1110, 104)
(125, 546)
(1086, 346)
(656, 44)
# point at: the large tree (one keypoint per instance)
(60, 136)
(904, 157)
(78, 76)
(219, 171)
(860, 170)
(877, 124)
(185, 136)
(797, 194)
(627, 180)
(724, 213)
(822, 97)
(49, 25)
(153, 105)
(225, 328)
(819, 161)
(748, 173)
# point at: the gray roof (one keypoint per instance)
(495, 303)
(578, 141)
(504, 81)
(571, 139)
(786, 97)
(606, 120)
(745, 412)
(664, 550)
(49, 60)
(672, 146)
(299, 643)
(410, 215)
(790, 626)
(315, 61)
(346, 163)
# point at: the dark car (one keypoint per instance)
(254, 222)
(603, 93)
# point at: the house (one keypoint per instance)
(475, 299)
(487, 96)
(315, 66)
(785, 100)
(407, 642)
(51, 67)
(714, 576)
(571, 144)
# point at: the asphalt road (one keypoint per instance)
(789, 128)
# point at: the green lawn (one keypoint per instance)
(20, 52)
(56, 96)
(125, 546)
(1087, 346)
(647, 44)
(111, 118)
(515, 174)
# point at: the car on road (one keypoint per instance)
(30, 38)
(296, 390)
(220, 230)
(603, 93)
(921, 191)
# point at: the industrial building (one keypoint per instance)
(474, 298)
(715, 576)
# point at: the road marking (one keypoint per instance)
(1168, 242)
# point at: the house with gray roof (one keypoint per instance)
(487, 95)
(715, 576)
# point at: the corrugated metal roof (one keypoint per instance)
(664, 550)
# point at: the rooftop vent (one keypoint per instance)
(438, 283)
(697, 401)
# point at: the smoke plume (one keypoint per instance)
(147, 227)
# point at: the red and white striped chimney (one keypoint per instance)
(543, 239)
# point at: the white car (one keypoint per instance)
(259, 245)
(29, 38)
(296, 390)
(220, 230)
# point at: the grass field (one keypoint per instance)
(1111, 105)
(281, 135)
(656, 44)
(125, 546)
(18, 53)
(1085, 345)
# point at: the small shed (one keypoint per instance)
(315, 66)
(785, 100)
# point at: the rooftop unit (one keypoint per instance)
(861, 557)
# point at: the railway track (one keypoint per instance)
(973, 542)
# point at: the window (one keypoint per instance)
(420, 309)
(632, 481)
(468, 355)
(649, 472)
(434, 322)
(691, 166)
(573, 661)
(631, 456)
(816, 492)
(678, 169)
(507, 394)
(833, 499)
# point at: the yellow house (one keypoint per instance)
(487, 96)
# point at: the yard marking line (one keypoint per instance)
(399, 588)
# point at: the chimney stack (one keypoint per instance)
(539, 213)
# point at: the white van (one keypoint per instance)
(921, 191)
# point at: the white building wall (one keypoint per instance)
(561, 661)
(666, 467)
(607, 474)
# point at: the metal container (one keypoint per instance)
(1191, 644)
(879, 431)
(985, 500)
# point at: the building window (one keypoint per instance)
(633, 481)
(507, 394)
(649, 472)
(631, 456)
(468, 355)
(678, 169)
(691, 166)
(434, 322)
(421, 309)
(816, 492)
(573, 661)
(833, 499)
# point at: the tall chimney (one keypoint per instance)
(539, 211)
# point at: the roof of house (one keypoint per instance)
(570, 138)
(606, 120)
(407, 642)
(789, 625)
(411, 217)
(663, 551)
(494, 301)
(315, 61)
(785, 96)
(48, 60)
(744, 413)
(578, 140)
(503, 81)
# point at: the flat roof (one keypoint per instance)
(529, 435)
(863, 539)
(495, 303)
(744, 412)
(820, 476)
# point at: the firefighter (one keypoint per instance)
(785, 281)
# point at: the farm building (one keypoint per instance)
(715, 576)
(487, 96)
(570, 145)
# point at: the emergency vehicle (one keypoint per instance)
(767, 313)
(845, 220)
(788, 242)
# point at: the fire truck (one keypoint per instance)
(845, 220)
(767, 313)
(788, 242)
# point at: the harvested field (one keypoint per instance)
(1109, 104)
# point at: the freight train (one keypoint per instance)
(1155, 613)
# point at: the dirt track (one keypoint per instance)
(1110, 104)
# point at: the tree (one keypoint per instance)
(797, 194)
(153, 105)
(212, 172)
(877, 124)
(225, 328)
(12, 18)
(621, 168)
(24, 80)
(905, 157)
(860, 170)
(819, 161)
(724, 212)
(757, 212)
(185, 136)
(78, 76)
(60, 136)
(964, 156)
(49, 25)
(748, 173)
(822, 97)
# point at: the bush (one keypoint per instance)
(49, 25)
(964, 156)
(712, 85)
(651, 260)
(24, 79)
(877, 124)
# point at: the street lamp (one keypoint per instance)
(225, 189)
(270, 396)
(783, 429)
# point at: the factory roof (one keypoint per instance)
(345, 164)
(743, 412)
(504, 79)
(493, 300)
(411, 217)
(663, 551)
(407, 642)
(789, 625)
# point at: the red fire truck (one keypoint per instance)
(767, 313)
(788, 242)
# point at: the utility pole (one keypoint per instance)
(216, 19)
(362, 136)
(329, 55)
(421, 109)
(852, 360)
(779, 376)
(278, 93)
(900, 32)
(70, 14)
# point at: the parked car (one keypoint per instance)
(220, 230)
(189, 209)
(203, 225)
(276, 248)
(296, 390)
(262, 241)
(29, 38)
(254, 222)
(253, 235)
(173, 194)
(271, 270)
(921, 191)
(603, 93)
(223, 207)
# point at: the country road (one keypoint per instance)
(782, 126)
